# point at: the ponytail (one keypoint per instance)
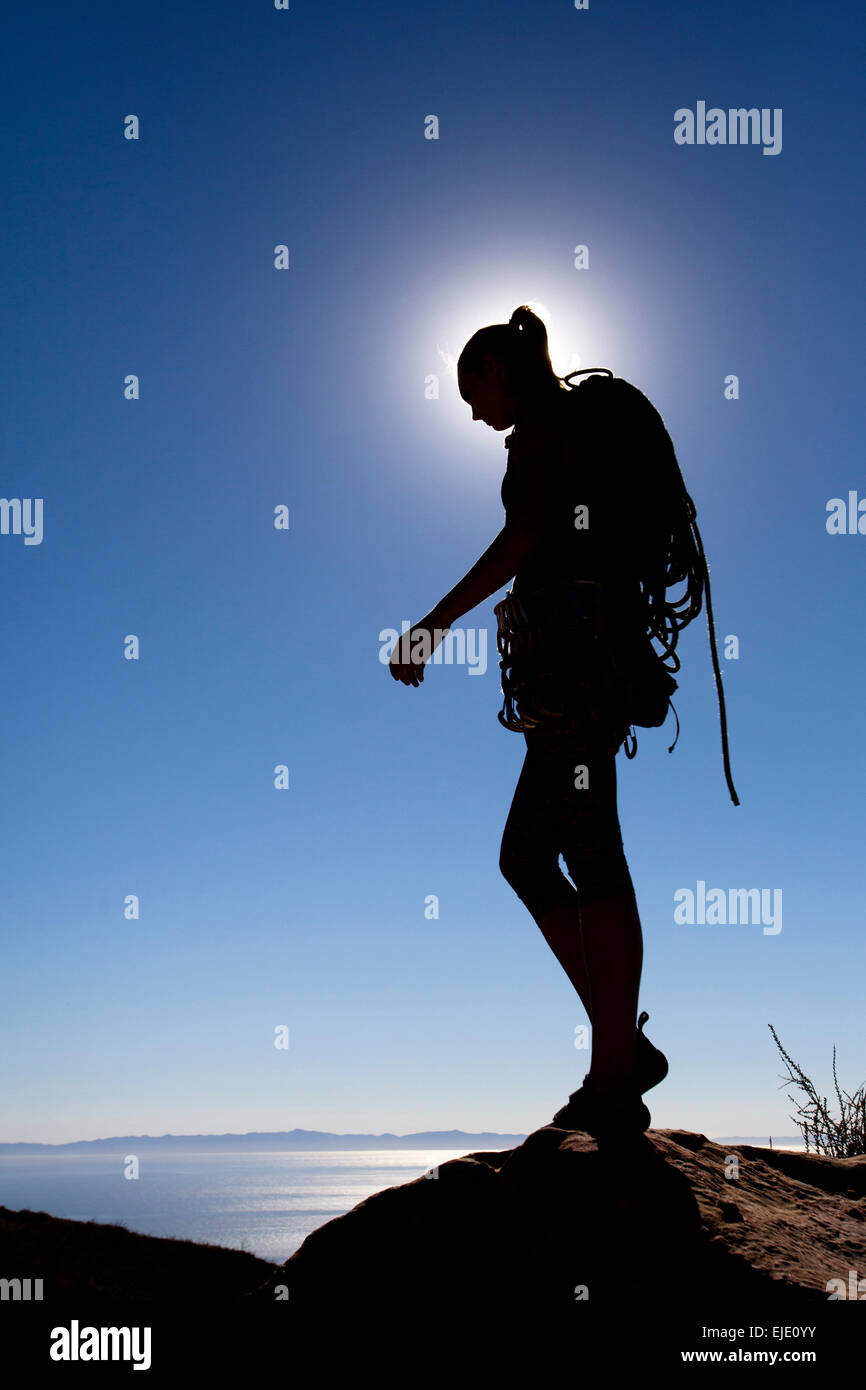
(521, 344)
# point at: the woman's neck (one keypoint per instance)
(539, 399)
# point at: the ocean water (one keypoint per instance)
(266, 1203)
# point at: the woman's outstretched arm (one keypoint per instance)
(526, 517)
(499, 563)
(529, 466)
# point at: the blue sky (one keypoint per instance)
(305, 387)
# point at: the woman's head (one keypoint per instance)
(504, 367)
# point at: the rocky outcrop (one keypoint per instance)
(670, 1221)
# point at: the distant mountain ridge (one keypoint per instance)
(315, 1139)
(293, 1139)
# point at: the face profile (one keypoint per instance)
(490, 395)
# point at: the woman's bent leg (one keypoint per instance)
(529, 861)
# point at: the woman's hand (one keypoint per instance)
(413, 649)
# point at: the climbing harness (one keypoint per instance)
(564, 663)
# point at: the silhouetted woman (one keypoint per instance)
(592, 925)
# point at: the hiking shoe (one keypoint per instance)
(604, 1114)
(650, 1065)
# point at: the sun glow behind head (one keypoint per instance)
(446, 326)
(561, 336)
(424, 327)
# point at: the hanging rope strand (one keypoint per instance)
(720, 692)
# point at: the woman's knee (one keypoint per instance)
(601, 875)
(535, 877)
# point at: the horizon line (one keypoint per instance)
(333, 1134)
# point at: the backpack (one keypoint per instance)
(613, 677)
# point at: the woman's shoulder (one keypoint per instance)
(540, 429)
